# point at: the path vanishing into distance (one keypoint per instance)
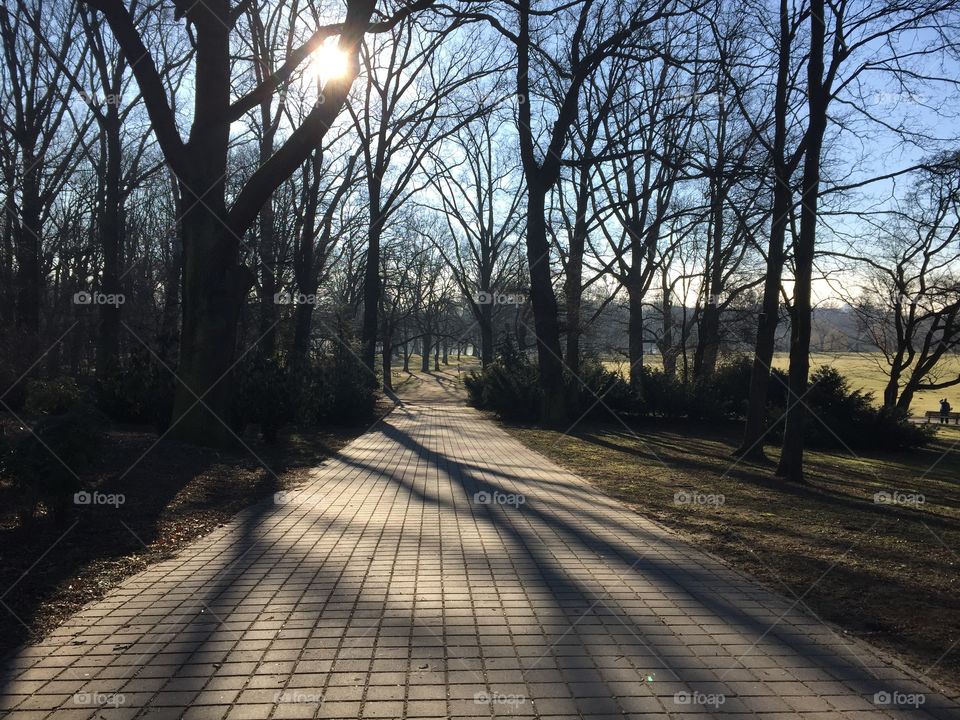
(436, 568)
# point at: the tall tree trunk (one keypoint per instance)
(891, 390)
(708, 343)
(371, 284)
(29, 281)
(791, 456)
(268, 281)
(573, 288)
(540, 176)
(111, 238)
(635, 329)
(386, 360)
(906, 397)
(668, 351)
(8, 297)
(546, 324)
(302, 324)
(486, 334)
(170, 317)
(268, 247)
(427, 344)
(306, 274)
(755, 427)
(214, 286)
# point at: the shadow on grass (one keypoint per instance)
(860, 563)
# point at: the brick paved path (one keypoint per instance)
(386, 588)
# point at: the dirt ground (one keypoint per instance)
(172, 496)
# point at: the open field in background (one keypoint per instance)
(864, 370)
(868, 370)
(887, 573)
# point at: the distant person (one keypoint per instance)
(944, 412)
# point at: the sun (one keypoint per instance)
(329, 62)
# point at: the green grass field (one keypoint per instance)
(864, 370)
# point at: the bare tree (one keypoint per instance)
(909, 307)
(212, 225)
(880, 35)
(782, 163)
(416, 93)
(649, 129)
(38, 157)
(479, 197)
(557, 52)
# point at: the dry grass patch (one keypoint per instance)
(887, 573)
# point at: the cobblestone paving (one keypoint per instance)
(436, 568)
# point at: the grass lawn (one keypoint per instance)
(864, 370)
(886, 573)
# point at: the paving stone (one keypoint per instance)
(436, 568)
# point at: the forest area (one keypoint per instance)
(227, 215)
(694, 265)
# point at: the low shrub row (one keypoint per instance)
(839, 416)
(266, 391)
(333, 389)
(68, 421)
